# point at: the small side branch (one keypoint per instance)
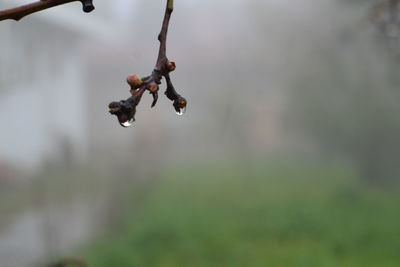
(18, 13)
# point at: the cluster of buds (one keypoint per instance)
(125, 110)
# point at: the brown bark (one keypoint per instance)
(18, 13)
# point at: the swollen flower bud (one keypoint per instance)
(114, 108)
(152, 87)
(134, 81)
(124, 110)
(171, 66)
(180, 105)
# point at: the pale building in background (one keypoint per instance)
(43, 95)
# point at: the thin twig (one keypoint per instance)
(162, 37)
(18, 13)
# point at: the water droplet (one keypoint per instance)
(181, 111)
(126, 124)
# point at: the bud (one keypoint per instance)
(134, 81)
(114, 108)
(152, 87)
(181, 102)
(180, 105)
(171, 66)
(87, 5)
(125, 112)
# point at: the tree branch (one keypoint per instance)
(125, 109)
(162, 37)
(18, 13)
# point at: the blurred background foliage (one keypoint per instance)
(256, 214)
(287, 155)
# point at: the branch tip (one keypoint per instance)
(170, 4)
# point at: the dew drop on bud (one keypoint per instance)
(181, 111)
(126, 124)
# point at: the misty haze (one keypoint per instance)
(287, 155)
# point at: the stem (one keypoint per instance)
(18, 13)
(170, 92)
(162, 37)
(170, 4)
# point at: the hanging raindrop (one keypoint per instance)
(181, 111)
(126, 124)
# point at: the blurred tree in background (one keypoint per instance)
(347, 97)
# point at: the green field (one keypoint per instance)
(256, 215)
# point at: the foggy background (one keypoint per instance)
(296, 97)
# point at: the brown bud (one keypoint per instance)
(180, 105)
(114, 107)
(152, 87)
(171, 66)
(134, 81)
(181, 102)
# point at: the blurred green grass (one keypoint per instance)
(256, 215)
